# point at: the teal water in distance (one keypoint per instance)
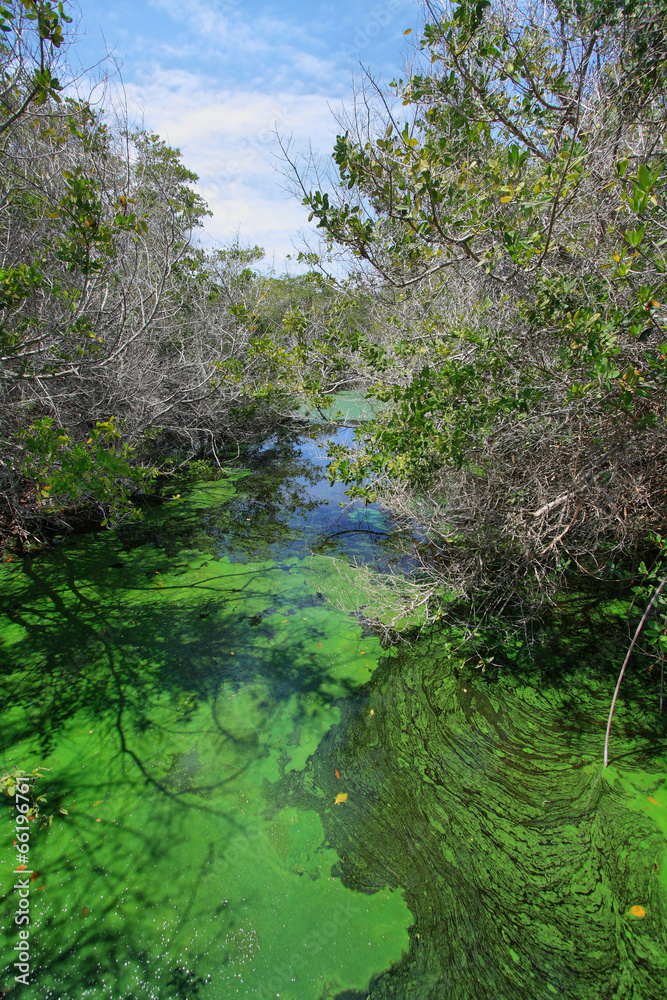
(251, 798)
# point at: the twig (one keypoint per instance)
(625, 663)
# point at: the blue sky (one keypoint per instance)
(217, 77)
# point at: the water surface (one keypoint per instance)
(201, 706)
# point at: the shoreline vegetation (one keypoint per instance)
(379, 708)
(498, 218)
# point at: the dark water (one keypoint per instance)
(201, 706)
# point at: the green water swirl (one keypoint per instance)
(202, 708)
(519, 858)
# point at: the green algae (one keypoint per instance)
(351, 407)
(169, 689)
(202, 708)
(519, 858)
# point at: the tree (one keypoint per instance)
(115, 331)
(125, 347)
(29, 50)
(523, 168)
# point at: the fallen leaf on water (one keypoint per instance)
(341, 797)
(336, 773)
(653, 801)
(638, 911)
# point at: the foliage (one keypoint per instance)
(514, 185)
(75, 471)
(123, 344)
(17, 776)
(32, 34)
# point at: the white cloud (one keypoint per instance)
(278, 51)
(236, 212)
(217, 79)
(228, 138)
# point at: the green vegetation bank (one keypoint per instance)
(500, 213)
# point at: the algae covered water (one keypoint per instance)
(252, 799)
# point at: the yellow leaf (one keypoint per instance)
(653, 801)
(638, 911)
(408, 31)
(341, 797)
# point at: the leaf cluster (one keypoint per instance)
(514, 185)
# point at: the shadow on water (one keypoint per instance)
(168, 686)
(257, 802)
(157, 632)
(485, 803)
(94, 601)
